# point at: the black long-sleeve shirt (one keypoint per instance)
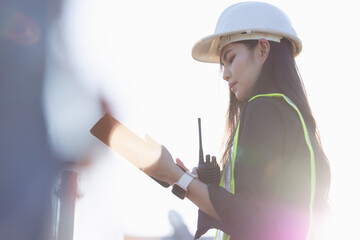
(272, 177)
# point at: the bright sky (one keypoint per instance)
(138, 53)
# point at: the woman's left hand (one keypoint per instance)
(181, 164)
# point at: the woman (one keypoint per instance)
(275, 176)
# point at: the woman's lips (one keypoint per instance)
(231, 86)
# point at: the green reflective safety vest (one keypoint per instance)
(312, 162)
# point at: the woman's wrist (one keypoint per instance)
(175, 174)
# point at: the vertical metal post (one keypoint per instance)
(67, 195)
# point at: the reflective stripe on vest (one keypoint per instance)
(312, 161)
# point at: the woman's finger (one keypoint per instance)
(181, 164)
(194, 171)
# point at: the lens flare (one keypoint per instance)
(141, 153)
(18, 27)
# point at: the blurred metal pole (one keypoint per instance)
(67, 195)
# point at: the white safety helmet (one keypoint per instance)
(246, 21)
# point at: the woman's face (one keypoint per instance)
(241, 68)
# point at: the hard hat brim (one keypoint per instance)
(207, 49)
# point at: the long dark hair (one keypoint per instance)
(280, 75)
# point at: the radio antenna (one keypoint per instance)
(201, 154)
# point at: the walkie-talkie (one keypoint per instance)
(209, 171)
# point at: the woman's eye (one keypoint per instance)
(231, 59)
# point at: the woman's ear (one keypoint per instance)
(263, 49)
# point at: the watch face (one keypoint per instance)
(178, 191)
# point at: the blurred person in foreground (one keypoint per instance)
(27, 166)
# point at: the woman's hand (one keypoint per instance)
(181, 164)
(164, 168)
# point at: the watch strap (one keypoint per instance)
(185, 180)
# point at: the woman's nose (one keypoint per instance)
(226, 74)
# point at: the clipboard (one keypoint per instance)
(125, 142)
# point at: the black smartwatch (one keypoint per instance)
(180, 187)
